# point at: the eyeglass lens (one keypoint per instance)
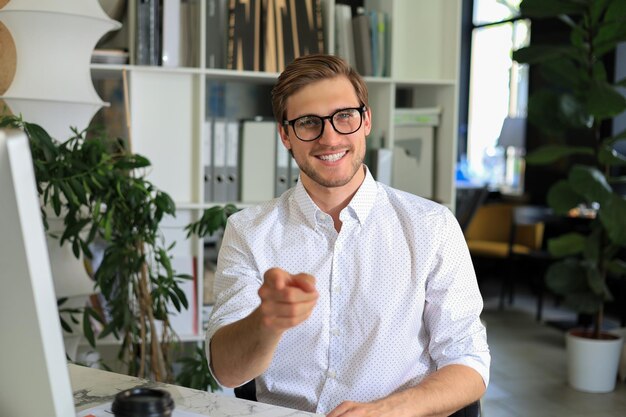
(344, 121)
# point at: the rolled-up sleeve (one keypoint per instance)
(236, 286)
(454, 304)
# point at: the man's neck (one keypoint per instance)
(331, 200)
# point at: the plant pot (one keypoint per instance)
(592, 363)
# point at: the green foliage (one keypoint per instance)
(96, 187)
(579, 100)
(195, 372)
(213, 219)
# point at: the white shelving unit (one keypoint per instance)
(168, 106)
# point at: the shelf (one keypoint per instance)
(111, 70)
(100, 71)
(173, 109)
(112, 341)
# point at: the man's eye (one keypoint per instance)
(307, 122)
(345, 114)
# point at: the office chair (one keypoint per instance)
(526, 243)
(507, 233)
(248, 392)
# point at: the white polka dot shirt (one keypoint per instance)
(398, 296)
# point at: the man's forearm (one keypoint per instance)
(441, 393)
(242, 350)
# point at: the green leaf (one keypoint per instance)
(563, 73)
(565, 277)
(609, 156)
(574, 112)
(593, 245)
(617, 267)
(79, 190)
(612, 214)
(541, 112)
(617, 137)
(612, 29)
(567, 244)
(87, 330)
(604, 101)
(64, 324)
(550, 8)
(182, 297)
(174, 299)
(56, 201)
(595, 281)
(598, 8)
(535, 54)
(562, 197)
(548, 154)
(590, 183)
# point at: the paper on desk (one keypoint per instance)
(104, 410)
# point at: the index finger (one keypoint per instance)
(276, 278)
(306, 282)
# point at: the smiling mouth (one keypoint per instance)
(332, 157)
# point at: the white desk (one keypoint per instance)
(93, 387)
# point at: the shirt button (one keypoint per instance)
(336, 288)
(332, 374)
(335, 332)
(338, 245)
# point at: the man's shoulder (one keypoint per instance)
(413, 205)
(261, 213)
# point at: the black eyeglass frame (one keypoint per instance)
(362, 109)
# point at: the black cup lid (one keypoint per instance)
(143, 402)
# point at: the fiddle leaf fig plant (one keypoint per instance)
(570, 113)
(96, 186)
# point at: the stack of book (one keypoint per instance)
(262, 35)
(361, 39)
(167, 33)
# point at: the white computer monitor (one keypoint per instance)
(34, 378)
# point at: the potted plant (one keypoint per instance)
(96, 187)
(570, 113)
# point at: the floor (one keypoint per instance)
(528, 376)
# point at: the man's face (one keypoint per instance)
(333, 159)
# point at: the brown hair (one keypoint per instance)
(310, 68)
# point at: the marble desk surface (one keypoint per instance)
(93, 387)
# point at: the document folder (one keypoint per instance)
(207, 159)
(257, 160)
(232, 159)
(220, 193)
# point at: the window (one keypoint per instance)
(498, 86)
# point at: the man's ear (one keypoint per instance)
(284, 137)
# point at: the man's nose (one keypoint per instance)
(329, 135)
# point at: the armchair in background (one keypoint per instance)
(506, 233)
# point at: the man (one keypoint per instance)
(345, 296)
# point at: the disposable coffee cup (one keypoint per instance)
(143, 402)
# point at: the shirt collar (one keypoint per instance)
(363, 201)
(360, 206)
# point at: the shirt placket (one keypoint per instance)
(337, 308)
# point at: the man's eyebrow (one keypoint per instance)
(328, 114)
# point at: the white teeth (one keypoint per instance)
(332, 158)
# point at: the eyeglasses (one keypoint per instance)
(311, 127)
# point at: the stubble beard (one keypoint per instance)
(331, 182)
